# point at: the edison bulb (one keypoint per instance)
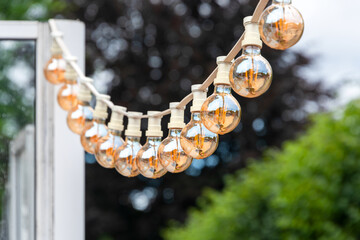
(197, 141)
(79, 116)
(281, 25)
(125, 157)
(54, 70)
(171, 154)
(106, 147)
(250, 74)
(67, 95)
(92, 133)
(147, 159)
(221, 113)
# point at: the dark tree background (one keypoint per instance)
(149, 53)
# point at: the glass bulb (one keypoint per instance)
(171, 154)
(106, 147)
(197, 141)
(92, 133)
(79, 116)
(54, 70)
(147, 159)
(281, 25)
(221, 113)
(251, 73)
(125, 157)
(67, 95)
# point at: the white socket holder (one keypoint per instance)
(117, 117)
(101, 107)
(154, 125)
(70, 73)
(134, 124)
(177, 116)
(222, 76)
(55, 48)
(84, 93)
(252, 33)
(199, 97)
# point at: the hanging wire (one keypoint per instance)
(57, 35)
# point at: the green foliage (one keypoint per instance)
(29, 9)
(309, 190)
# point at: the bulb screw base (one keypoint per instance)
(70, 73)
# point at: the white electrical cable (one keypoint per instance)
(57, 35)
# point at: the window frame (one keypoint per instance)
(59, 158)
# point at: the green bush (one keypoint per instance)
(308, 190)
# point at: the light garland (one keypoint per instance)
(250, 75)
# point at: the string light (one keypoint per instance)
(54, 69)
(197, 141)
(251, 73)
(82, 113)
(170, 153)
(97, 128)
(281, 25)
(221, 113)
(147, 158)
(106, 146)
(125, 156)
(67, 95)
(250, 76)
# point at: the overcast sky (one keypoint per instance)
(332, 36)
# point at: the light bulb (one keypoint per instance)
(54, 69)
(281, 25)
(82, 113)
(97, 128)
(170, 153)
(92, 133)
(221, 112)
(125, 156)
(79, 117)
(251, 73)
(147, 158)
(125, 162)
(67, 95)
(106, 146)
(197, 141)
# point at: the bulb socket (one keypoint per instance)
(222, 75)
(199, 97)
(55, 48)
(177, 116)
(70, 73)
(117, 117)
(84, 93)
(154, 125)
(134, 124)
(101, 107)
(252, 33)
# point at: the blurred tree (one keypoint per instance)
(309, 190)
(29, 9)
(147, 54)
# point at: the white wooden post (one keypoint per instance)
(59, 157)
